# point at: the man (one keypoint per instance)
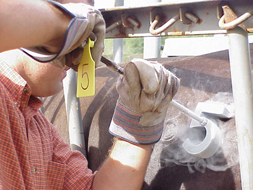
(33, 155)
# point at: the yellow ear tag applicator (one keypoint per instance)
(86, 73)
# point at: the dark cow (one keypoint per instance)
(203, 78)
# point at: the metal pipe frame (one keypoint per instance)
(240, 67)
(74, 117)
(208, 13)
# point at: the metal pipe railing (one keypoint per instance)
(240, 67)
(74, 117)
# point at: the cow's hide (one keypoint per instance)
(203, 78)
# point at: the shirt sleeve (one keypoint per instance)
(77, 175)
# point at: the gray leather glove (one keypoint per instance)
(86, 22)
(145, 91)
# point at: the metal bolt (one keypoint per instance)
(192, 17)
(114, 25)
(132, 21)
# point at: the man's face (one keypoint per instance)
(44, 79)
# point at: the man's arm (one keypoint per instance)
(125, 167)
(145, 91)
(28, 23)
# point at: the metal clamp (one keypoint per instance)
(187, 17)
(164, 27)
(113, 26)
(130, 22)
(192, 17)
(235, 22)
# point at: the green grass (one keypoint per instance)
(133, 47)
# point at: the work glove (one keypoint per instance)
(145, 91)
(87, 22)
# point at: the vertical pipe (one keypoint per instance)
(152, 45)
(118, 50)
(242, 92)
(76, 136)
(118, 43)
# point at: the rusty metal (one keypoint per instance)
(135, 23)
(164, 27)
(192, 17)
(130, 22)
(230, 20)
(250, 30)
(186, 16)
(113, 26)
(183, 18)
(208, 13)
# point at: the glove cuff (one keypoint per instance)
(125, 125)
(74, 31)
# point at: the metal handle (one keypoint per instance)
(189, 113)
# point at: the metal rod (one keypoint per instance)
(240, 67)
(164, 27)
(118, 45)
(112, 65)
(188, 112)
(152, 47)
(76, 136)
(236, 22)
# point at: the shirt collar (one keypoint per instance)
(15, 84)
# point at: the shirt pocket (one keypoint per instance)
(55, 175)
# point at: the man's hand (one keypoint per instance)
(145, 92)
(87, 22)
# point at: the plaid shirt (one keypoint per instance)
(32, 154)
